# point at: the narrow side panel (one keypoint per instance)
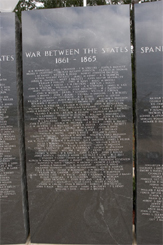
(13, 211)
(149, 77)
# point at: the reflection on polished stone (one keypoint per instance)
(78, 115)
(13, 223)
(149, 64)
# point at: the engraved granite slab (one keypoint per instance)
(13, 211)
(149, 67)
(78, 116)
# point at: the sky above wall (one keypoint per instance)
(7, 5)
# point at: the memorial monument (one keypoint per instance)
(13, 208)
(149, 77)
(78, 124)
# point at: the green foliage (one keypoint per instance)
(54, 3)
(74, 3)
(23, 5)
(70, 3)
(96, 2)
(32, 4)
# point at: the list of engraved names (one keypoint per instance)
(77, 118)
(8, 145)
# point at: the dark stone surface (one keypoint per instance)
(149, 66)
(78, 115)
(13, 208)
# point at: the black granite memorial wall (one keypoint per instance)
(13, 211)
(149, 77)
(78, 124)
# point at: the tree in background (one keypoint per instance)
(37, 4)
(24, 5)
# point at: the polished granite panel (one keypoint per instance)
(149, 76)
(78, 124)
(13, 214)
